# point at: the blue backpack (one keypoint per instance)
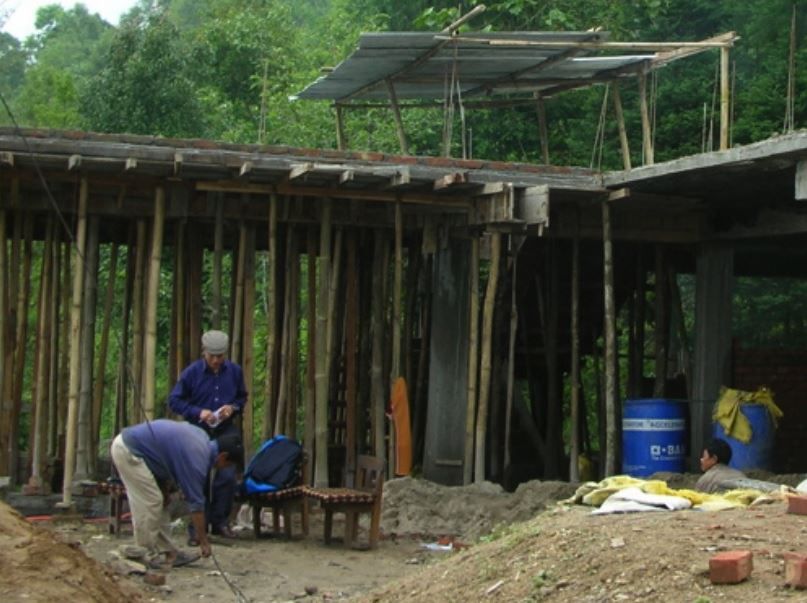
(275, 466)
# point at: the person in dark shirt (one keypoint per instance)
(210, 392)
(154, 456)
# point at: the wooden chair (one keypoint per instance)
(283, 503)
(365, 497)
(118, 501)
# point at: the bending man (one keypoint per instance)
(153, 456)
(210, 392)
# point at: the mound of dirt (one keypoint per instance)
(423, 508)
(38, 566)
(567, 554)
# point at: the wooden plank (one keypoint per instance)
(178, 159)
(401, 177)
(300, 170)
(450, 180)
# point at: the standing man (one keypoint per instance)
(154, 456)
(209, 393)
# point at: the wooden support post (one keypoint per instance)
(271, 319)
(395, 371)
(511, 356)
(321, 376)
(55, 342)
(647, 135)
(724, 97)
(609, 320)
(620, 120)
(543, 131)
(637, 350)
(75, 341)
(396, 113)
(487, 351)
(152, 295)
(122, 417)
(311, 317)
(574, 373)
(473, 363)
(177, 354)
(236, 331)
(289, 427)
(377, 391)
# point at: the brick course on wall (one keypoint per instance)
(784, 372)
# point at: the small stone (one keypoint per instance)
(311, 590)
(154, 578)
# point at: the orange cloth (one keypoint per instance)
(399, 411)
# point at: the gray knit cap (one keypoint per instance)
(215, 342)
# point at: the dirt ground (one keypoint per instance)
(521, 547)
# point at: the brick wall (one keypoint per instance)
(784, 372)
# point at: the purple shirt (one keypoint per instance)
(175, 451)
(199, 388)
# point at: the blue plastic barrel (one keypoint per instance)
(654, 436)
(758, 453)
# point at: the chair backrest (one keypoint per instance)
(369, 474)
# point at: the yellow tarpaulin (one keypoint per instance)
(728, 411)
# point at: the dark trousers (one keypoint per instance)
(221, 494)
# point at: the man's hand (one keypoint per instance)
(226, 411)
(206, 416)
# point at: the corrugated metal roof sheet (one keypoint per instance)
(421, 64)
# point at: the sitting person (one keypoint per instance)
(714, 464)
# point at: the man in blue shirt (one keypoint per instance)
(210, 392)
(154, 456)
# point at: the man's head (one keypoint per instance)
(716, 451)
(214, 348)
(231, 450)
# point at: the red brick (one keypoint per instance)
(796, 570)
(730, 567)
(797, 504)
(441, 162)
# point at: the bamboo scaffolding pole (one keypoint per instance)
(75, 346)
(620, 122)
(103, 350)
(543, 131)
(18, 354)
(52, 449)
(290, 425)
(136, 414)
(194, 294)
(377, 391)
(341, 134)
(419, 426)
(574, 373)
(150, 343)
(310, 395)
(248, 355)
(396, 114)
(661, 330)
(88, 315)
(485, 361)
(179, 307)
(473, 362)
(395, 371)
(725, 97)
(122, 417)
(333, 291)
(647, 138)
(320, 376)
(238, 299)
(351, 353)
(5, 369)
(38, 436)
(64, 351)
(610, 344)
(271, 320)
(511, 359)
(218, 253)
(286, 334)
